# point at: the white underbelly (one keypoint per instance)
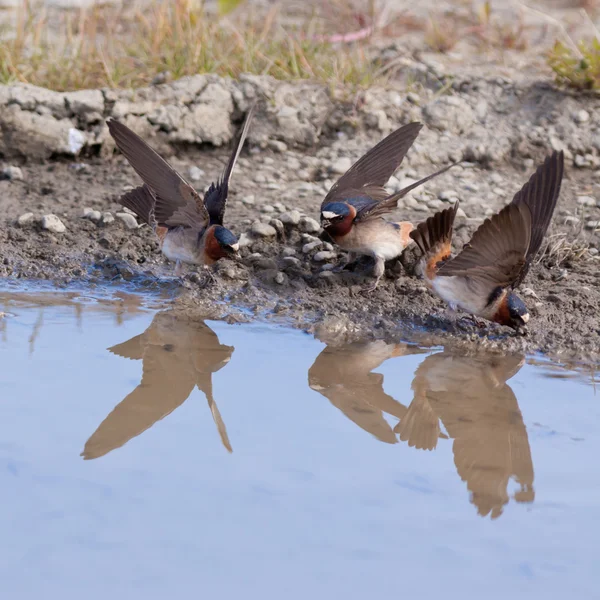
(457, 292)
(178, 246)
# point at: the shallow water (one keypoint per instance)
(146, 456)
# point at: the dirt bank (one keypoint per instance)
(501, 128)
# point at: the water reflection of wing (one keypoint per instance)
(343, 375)
(480, 412)
(177, 355)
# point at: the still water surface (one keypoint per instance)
(148, 456)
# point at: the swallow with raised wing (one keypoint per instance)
(189, 227)
(482, 278)
(178, 354)
(480, 413)
(353, 211)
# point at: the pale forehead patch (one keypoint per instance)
(329, 215)
(525, 317)
(235, 247)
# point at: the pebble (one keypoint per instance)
(273, 186)
(581, 116)
(107, 218)
(461, 213)
(447, 195)
(311, 246)
(25, 219)
(496, 178)
(324, 255)
(309, 225)
(267, 208)
(278, 225)
(341, 165)
(306, 237)
(291, 261)
(326, 275)
(290, 218)
(244, 240)
(196, 174)
(128, 220)
(305, 186)
(586, 201)
(288, 252)
(279, 207)
(279, 278)
(328, 246)
(53, 224)
(592, 224)
(593, 251)
(12, 173)
(128, 211)
(327, 267)
(263, 230)
(248, 200)
(278, 146)
(91, 214)
(582, 161)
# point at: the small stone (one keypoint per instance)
(278, 225)
(279, 207)
(248, 200)
(581, 116)
(326, 275)
(267, 208)
(25, 219)
(461, 213)
(279, 278)
(244, 240)
(12, 173)
(128, 211)
(496, 178)
(581, 161)
(324, 255)
(328, 246)
(291, 261)
(91, 214)
(271, 185)
(327, 267)
(593, 251)
(196, 174)
(277, 146)
(572, 220)
(53, 224)
(307, 248)
(290, 218)
(309, 225)
(306, 237)
(288, 252)
(527, 292)
(592, 225)
(263, 230)
(447, 195)
(107, 218)
(586, 201)
(341, 165)
(128, 220)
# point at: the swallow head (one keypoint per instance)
(227, 242)
(336, 215)
(515, 313)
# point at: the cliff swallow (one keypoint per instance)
(344, 376)
(353, 210)
(178, 354)
(481, 279)
(480, 413)
(189, 228)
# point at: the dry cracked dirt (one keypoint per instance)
(58, 160)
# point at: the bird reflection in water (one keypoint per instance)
(467, 395)
(177, 355)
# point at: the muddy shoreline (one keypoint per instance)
(284, 273)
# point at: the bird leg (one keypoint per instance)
(378, 271)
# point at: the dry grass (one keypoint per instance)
(561, 248)
(125, 47)
(578, 68)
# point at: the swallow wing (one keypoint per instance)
(215, 198)
(377, 165)
(390, 202)
(141, 201)
(172, 192)
(496, 254)
(540, 195)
